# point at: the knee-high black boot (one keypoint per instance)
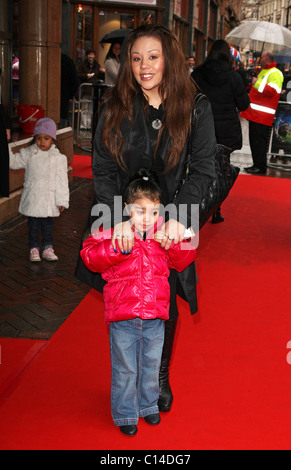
(166, 396)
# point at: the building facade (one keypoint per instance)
(275, 11)
(37, 31)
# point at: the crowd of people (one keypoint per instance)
(138, 256)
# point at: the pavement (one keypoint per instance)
(36, 298)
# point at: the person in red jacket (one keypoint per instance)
(264, 97)
(136, 301)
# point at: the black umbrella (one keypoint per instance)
(115, 36)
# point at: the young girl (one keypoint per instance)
(45, 190)
(136, 298)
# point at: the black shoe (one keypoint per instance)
(153, 419)
(254, 170)
(129, 430)
(217, 217)
(249, 168)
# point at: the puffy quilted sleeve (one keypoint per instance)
(202, 164)
(105, 175)
(98, 253)
(181, 255)
(241, 96)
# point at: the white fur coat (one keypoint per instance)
(46, 186)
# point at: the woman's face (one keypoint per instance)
(116, 49)
(147, 63)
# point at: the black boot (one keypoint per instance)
(166, 396)
(217, 217)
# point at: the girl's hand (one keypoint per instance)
(173, 232)
(61, 208)
(124, 235)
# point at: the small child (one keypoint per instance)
(136, 300)
(45, 190)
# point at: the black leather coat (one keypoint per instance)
(110, 179)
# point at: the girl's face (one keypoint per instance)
(144, 214)
(147, 63)
(43, 141)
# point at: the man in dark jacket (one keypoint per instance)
(90, 71)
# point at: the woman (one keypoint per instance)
(112, 63)
(227, 94)
(146, 123)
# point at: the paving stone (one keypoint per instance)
(35, 299)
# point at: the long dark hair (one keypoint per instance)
(110, 54)
(220, 50)
(177, 91)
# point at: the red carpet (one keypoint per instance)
(230, 376)
(82, 166)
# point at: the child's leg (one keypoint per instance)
(47, 232)
(124, 343)
(33, 232)
(149, 366)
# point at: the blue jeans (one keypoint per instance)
(43, 225)
(136, 349)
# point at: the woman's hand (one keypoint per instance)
(171, 231)
(124, 235)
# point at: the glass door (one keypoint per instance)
(110, 20)
(83, 32)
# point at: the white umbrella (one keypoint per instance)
(259, 35)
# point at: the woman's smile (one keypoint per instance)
(147, 76)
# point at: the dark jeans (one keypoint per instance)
(259, 136)
(43, 225)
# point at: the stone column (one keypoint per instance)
(40, 54)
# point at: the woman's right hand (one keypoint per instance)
(124, 236)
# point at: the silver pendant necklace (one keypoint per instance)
(156, 124)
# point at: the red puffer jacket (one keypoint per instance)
(137, 283)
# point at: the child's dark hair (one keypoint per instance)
(143, 183)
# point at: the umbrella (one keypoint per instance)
(115, 36)
(283, 57)
(235, 53)
(259, 35)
